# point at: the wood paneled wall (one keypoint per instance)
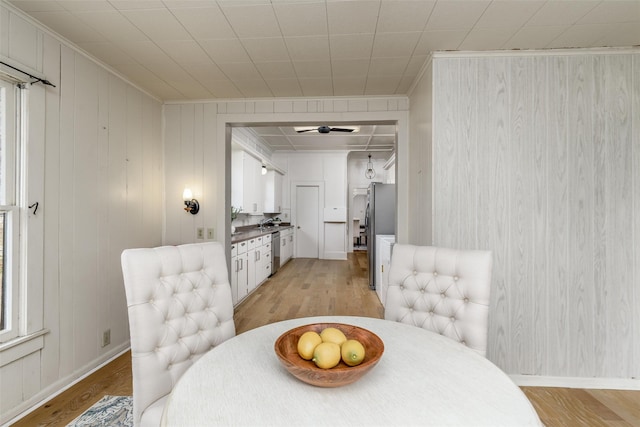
(95, 166)
(537, 158)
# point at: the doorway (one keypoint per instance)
(307, 220)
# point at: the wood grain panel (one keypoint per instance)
(466, 167)
(580, 212)
(521, 210)
(557, 244)
(539, 281)
(445, 119)
(557, 194)
(619, 217)
(635, 370)
(599, 237)
(493, 196)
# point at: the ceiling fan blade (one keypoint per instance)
(307, 130)
(341, 130)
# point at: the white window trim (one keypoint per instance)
(16, 323)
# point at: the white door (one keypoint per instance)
(308, 221)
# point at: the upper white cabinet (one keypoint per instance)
(272, 192)
(246, 183)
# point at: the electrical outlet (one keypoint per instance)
(200, 233)
(210, 233)
(106, 338)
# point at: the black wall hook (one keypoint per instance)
(35, 205)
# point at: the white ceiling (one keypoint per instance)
(369, 138)
(204, 49)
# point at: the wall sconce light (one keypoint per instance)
(370, 173)
(264, 170)
(191, 205)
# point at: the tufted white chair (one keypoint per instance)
(179, 303)
(443, 290)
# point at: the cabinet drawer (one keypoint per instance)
(266, 239)
(251, 243)
(242, 247)
(234, 249)
(267, 247)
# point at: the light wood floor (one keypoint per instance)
(309, 287)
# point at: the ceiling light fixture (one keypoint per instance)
(264, 170)
(326, 129)
(370, 173)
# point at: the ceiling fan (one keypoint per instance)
(326, 129)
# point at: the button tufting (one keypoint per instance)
(435, 273)
(422, 291)
(466, 300)
(455, 277)
(415, 272)
(453, 319)
(442, 294)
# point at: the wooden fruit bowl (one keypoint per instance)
(286, 347)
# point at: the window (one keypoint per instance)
(9, 209)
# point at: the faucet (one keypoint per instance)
(264, 221)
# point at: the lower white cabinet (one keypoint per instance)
(239, 271)
(250, 265)
(287, 241)
(384, 247)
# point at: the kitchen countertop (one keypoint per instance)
(253, 231)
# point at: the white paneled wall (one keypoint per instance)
(195, 145)
(419, 158)
(96, 169)
(537, 158)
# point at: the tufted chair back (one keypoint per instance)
(443, 290)
(179, 303)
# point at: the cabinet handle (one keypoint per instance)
(241, 264)
(237, 266)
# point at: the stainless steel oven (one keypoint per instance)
(275, 252)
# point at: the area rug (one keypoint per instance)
(112, 411)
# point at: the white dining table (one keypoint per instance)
(422, 379)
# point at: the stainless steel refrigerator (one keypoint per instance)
(380, 218)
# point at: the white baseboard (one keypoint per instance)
(28, 406)
(576, 382)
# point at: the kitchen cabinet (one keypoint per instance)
(287, 241)
(252, 255)
(250, 266)
(263, 265)
(239, 271)
(384, 246)
(246, 183)
(272, 192)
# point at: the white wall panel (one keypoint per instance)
(420, 203)
(96, 169)
(556, 163)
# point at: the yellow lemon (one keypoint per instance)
(333, 335)
(352, 352)
(326, 355)
(307, 343)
